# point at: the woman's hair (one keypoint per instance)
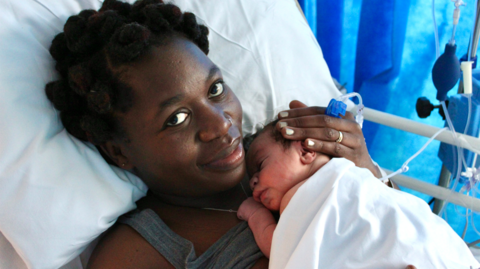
(96, 43)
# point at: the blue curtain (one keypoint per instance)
(385, 50)
(380, 39)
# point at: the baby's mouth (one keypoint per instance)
(259, 196)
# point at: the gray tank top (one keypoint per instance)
(235, 249)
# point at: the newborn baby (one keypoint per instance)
(354, 220)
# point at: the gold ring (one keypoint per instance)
(340, 137)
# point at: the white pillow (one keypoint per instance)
(57, 194)
(268, 56)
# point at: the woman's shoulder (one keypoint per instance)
(123, 247)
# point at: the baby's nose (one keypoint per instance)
(253, 182)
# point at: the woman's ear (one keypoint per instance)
(114, 152)
(307, 155)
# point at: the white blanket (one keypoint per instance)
(343, 217)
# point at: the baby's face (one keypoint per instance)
(273, 169)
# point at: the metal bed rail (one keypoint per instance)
(466, 141)
(442, 193)
(437, 191)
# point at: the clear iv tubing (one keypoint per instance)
(359, 116)
(459, 154)
(461, 159)
(469, 96)
(467, 124)
(474, 228)
(437, 42)
(452, 39)
(350, 95)
(404, 167)
(456, 17)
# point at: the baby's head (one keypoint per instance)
(276, 164)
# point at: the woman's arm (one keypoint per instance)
(261, 222)
(123, 247)
(322, 131)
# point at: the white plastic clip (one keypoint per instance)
(467, 76)
(473, 175)
(456, 12)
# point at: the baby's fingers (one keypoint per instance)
(247, 208)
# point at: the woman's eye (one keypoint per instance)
(177, 119)
(216, 90)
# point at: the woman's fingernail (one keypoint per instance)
(283, 114)
(289, 131)
(282, 124)
(310, 143)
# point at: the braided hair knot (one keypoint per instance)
(197, 33)
(99, 99)
(63, 98)
(79, 39)
(80, 78)
(106, 23)
(60, 52)
(202, 40)
(128, 42)
(122, 8)
(137, 13)
(156, 19)
(190, 26)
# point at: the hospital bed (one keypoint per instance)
(58, 195)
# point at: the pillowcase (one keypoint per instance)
(268, 56)
(57, 193)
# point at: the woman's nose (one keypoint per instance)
(253, 182)
(214, 123)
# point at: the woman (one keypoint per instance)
(137, 83)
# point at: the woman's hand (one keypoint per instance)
(321, 132)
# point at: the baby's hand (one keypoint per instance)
(248, 208)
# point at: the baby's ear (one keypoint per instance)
(308, 155)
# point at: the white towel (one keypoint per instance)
(344, 217)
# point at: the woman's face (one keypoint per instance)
(183, 131)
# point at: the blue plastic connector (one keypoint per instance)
(336, 108)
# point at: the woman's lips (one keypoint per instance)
(230, 161)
